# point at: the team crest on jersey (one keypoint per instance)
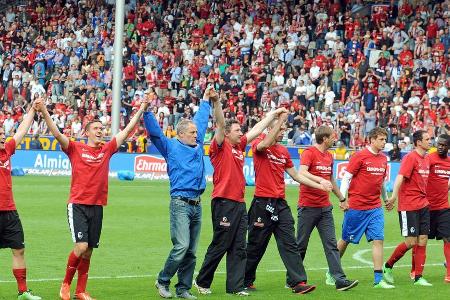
(225, 222)
(4, 165)
(258, 223)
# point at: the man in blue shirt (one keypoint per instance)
(186, 169)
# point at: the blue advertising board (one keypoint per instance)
(50, 143)
(147, 166)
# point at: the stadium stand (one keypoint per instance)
(352, 65)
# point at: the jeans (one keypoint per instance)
(185, 224)
(337, 87)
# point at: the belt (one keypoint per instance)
(194, 201)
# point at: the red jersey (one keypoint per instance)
(90, 167)
(415, 169)
(437, 187)
(369, 171)
(6, 195)
(228, 162)
(269, 169)
(319, 164)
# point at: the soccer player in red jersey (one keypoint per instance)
(88, 193)
(437, 194)
(269, 212)
(315, 209)
(364, 181)
(11, 231)
(410, 188)
(229, 214)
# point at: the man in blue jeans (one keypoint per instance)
(184, 157)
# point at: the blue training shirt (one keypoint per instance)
(185, 164)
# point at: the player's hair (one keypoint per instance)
(88, 125)
(418, 136)
(229, 123)
(183, 125)
(322, 132)
(377, 131)
(446, 138)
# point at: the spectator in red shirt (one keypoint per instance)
(129, 74)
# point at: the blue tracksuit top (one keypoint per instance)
(185, 164)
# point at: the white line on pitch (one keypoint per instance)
(358, 255)
(219, 272)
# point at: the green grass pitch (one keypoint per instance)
(135, 243)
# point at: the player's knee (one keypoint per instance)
(87, 254)
(18, 252)
(410, 242)
(422, 240)
(81, 248)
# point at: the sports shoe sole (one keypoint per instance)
(346, 288)
(310, 289)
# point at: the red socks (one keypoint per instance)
(419, 258)
(447, 256)
(83, 269)
(397, 254)
(72, 265)
(21, 277)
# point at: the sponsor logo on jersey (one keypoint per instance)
(89, 158)
(237, 153)
(274, 159)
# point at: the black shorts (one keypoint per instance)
(11, 231)
(439, 224)
(415, 222)
(85, 223)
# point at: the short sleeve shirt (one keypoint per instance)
(90, 168)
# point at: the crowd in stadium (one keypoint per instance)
(326, 61)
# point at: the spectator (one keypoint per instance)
(35, 143)
(394, 153)
(330, 61)
(302, 137)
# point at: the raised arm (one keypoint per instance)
(24, 126)
(270, 138)
(202, 116)
(219, 135)
(62, 139)
(122, 135)
(155, 133)
(261, 125)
